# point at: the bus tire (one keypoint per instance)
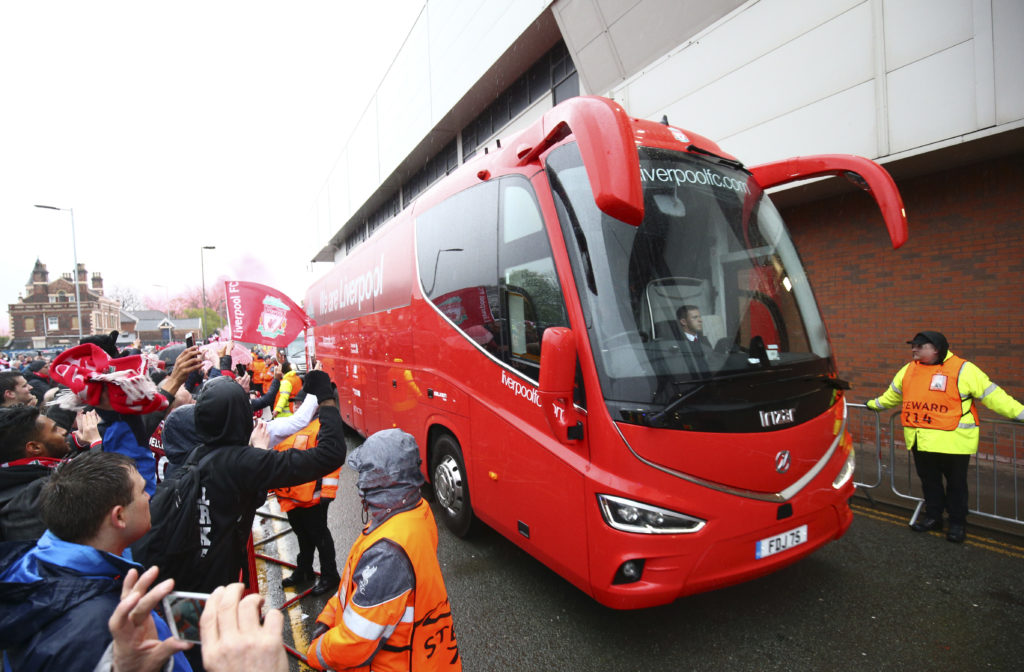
(451, 485)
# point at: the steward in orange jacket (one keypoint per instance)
(259, 373)
(391, 610)
(306, 507)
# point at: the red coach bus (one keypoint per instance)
(520, 320)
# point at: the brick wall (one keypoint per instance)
(961, 272)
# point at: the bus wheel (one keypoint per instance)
(451, 487)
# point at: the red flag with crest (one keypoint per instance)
(263, 315)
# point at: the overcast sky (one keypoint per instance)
(170, 126)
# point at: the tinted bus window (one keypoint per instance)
(456, 247)
(531, 292)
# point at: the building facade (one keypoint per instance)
(931, 89)
(154, 327)
(46, 315)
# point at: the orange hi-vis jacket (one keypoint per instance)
(931, 397)
(309, 494)
(412, 631)
(259, 371)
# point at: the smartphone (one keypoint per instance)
(189, 340)
(182, 611)
(240, 370)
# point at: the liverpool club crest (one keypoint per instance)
(274, 317)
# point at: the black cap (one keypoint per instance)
(935, 338)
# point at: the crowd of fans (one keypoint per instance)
(84, 440)
(87, 557)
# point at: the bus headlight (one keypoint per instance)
(846, 473)
(629, 516)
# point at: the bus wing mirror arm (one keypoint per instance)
(865, 173)
(557, 380)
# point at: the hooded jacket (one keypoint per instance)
(55, 600)
(391, 610)
(20, 486)
(235, 480)
(179, 437)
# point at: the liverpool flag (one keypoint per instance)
(263, 315)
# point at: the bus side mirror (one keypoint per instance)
(865, 173)
(557, 380)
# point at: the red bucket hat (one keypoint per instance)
(87, 370)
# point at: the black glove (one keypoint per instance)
(318, 383)
(319, 630)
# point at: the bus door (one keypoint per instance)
(548, 493)
(485, 263)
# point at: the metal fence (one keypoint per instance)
(995, 475)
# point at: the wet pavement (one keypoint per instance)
(880, 598)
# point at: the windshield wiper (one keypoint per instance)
(729, 162)
(581, 238)
(656, 418)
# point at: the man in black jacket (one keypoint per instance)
(235, 480)
(38, 378)
(31, 445)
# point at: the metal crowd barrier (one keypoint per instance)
(996, 472)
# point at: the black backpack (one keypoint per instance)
(172, 542)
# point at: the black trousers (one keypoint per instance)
(932, 468)
(310, 526)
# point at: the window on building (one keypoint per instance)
(74, 323)
(30, 324)
(52, 323)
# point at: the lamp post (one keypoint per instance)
(74, 251)
(202, 271)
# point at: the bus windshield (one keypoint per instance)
(702, 309)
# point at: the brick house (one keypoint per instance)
(46, 315)
(154, 327)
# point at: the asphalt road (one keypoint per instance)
(880, 598)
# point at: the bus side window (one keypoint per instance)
(532, 295)
(456, 251)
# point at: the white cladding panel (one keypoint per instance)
(797, 74)
(452, 44)
(403, 100)
(1008, 48)
(466, 37)
(916, 29)
(932, 99)
(364, 148)
(842, 123)
(875, 77)
(739, 41)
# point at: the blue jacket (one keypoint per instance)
(124, 434)
(55, 600)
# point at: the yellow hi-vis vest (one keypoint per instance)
(307, 494)
(423, 640)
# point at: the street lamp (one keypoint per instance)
(202, 271)
(74, 251)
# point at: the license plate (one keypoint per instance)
(781, 542)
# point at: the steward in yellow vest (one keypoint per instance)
(937, 393)
(391, 611)
(291, 385)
